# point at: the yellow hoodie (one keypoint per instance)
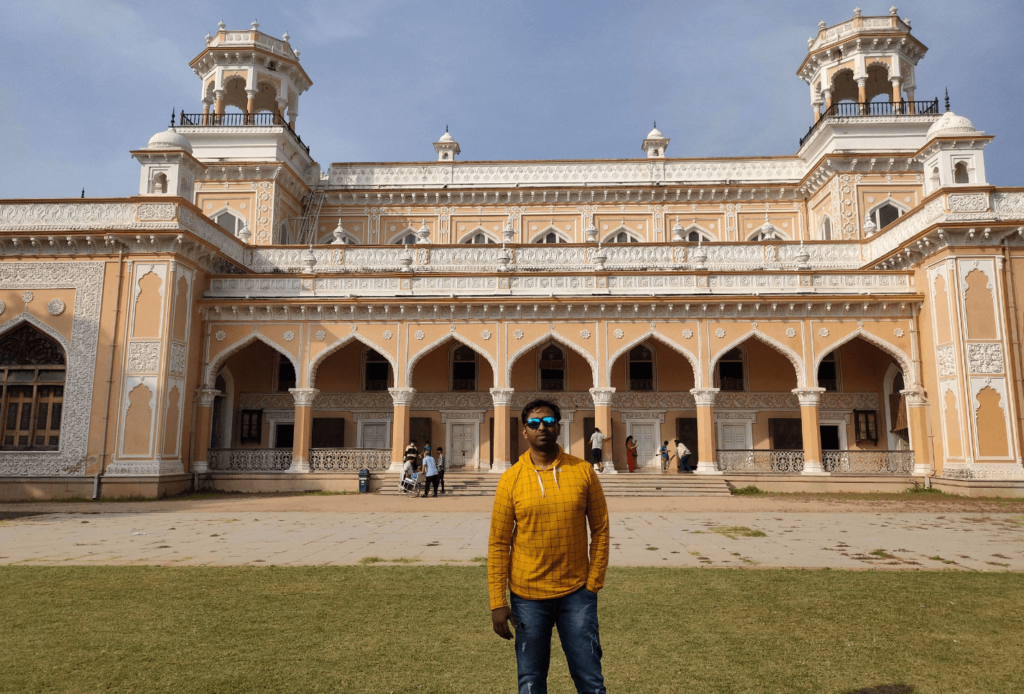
(538, 541)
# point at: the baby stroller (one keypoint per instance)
(411, 485)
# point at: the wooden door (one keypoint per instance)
(686, 431)
(734, 437)
(463, 445)
(328, 432)
(786, 434)
(419, 431)
(375, 435)
(647, 445)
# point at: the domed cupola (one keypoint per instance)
(655, 144)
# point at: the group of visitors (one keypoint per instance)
(678, 458)
(432, 468)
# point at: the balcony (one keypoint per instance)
(852, 109)
(234, 120)
(249, 459)
(349, 459)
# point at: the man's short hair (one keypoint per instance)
(538, 404)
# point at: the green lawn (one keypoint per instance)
(427, 629)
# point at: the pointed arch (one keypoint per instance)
(552, 336)
(672, 344)
(437, 343)
(400, 238)
(704, 234)
(560, 236)
(41, 327)
(633, 236)
(468, 238)
(794, 358)
(210, 377)
(328, 238)
(906, 365)
(314, 362)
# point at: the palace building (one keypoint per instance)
(841, 317)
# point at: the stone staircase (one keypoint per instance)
(622, 484)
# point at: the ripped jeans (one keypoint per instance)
(575, 615)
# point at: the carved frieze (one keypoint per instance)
(143, 357)
(985, 357)
(946, 361)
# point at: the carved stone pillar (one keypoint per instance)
(303, 436)
(603, 421)
(811, 428)
(204, 416)
(218, 102)
(707, 437)
(917, 428)
(206, 110)
(402, 398)
(281, 106)
(250, 106)
(503, 432)
(897, 93)
(911, 107)
(827, 93)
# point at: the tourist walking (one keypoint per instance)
(664, 455)
(538, 552)
(631, 453)
(430, 473)
(596, 447)
(683, 453)
(440, 462)
(412, 455)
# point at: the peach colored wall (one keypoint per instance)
(768, 371)
(339, 372)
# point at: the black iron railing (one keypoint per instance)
(849, 109)
(239, 119)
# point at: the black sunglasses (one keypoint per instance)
(535, 423)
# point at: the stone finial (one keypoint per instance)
(221, 25)
(339, 234)
(893, 11)
(821, 25)
(285, 36)
(255, 25)
(856, 11)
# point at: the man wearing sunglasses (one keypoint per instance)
(538, 551)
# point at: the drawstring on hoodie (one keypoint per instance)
(554, 471)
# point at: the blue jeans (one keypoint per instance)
(575, 615)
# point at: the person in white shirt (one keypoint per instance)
(430, 470)
(684, 455)
(596, 446)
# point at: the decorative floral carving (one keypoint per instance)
(618, 333)
(55, 307)
(946, 362)
(687, 334)
(985, 358)
(179, 359)
(321, 334)
(355, 328)
(720, 333)
(289, 335)
(585, 334)
(27, 297)
(790, 332)
(419, 335)
(220, 335)
(898, 332)
(823, 332)
(518, 334)
(142, 357)
(387, 334)
(485, 334)
(968, 202)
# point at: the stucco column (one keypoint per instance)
(707, 437)
(402, 398)
(917, 426)
(303, 435)
(911, 108)
(250, 105)
(811, 428)
(218, 101)
(206, 111)
(603, 421)
(897, 95)
(503, 432)
(828, 98)
(862, 94)
(204, 416)
(281, 106)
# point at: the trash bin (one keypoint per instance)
(364, 481)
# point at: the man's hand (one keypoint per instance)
(500, 617)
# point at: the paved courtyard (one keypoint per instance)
(340, 530)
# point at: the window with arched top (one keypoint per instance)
(552, 368)
(640, 367)
(477, 237)
(285, 373)
(464, 369)
(32, 370)
(828, 372)
(622, 236)
(696, 236)
(885, 214)
(960, 173)
(406, 238)
(160, 183)
(229, 220)
(826, 228)
(549, 235)
(376, 371)
(730, 371)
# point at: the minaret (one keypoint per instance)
(446, 147)
(655, 143)
(858, 60)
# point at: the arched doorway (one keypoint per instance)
(32, 368)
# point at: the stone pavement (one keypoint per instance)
(849, 540)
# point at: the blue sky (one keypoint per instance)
(85, 81)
